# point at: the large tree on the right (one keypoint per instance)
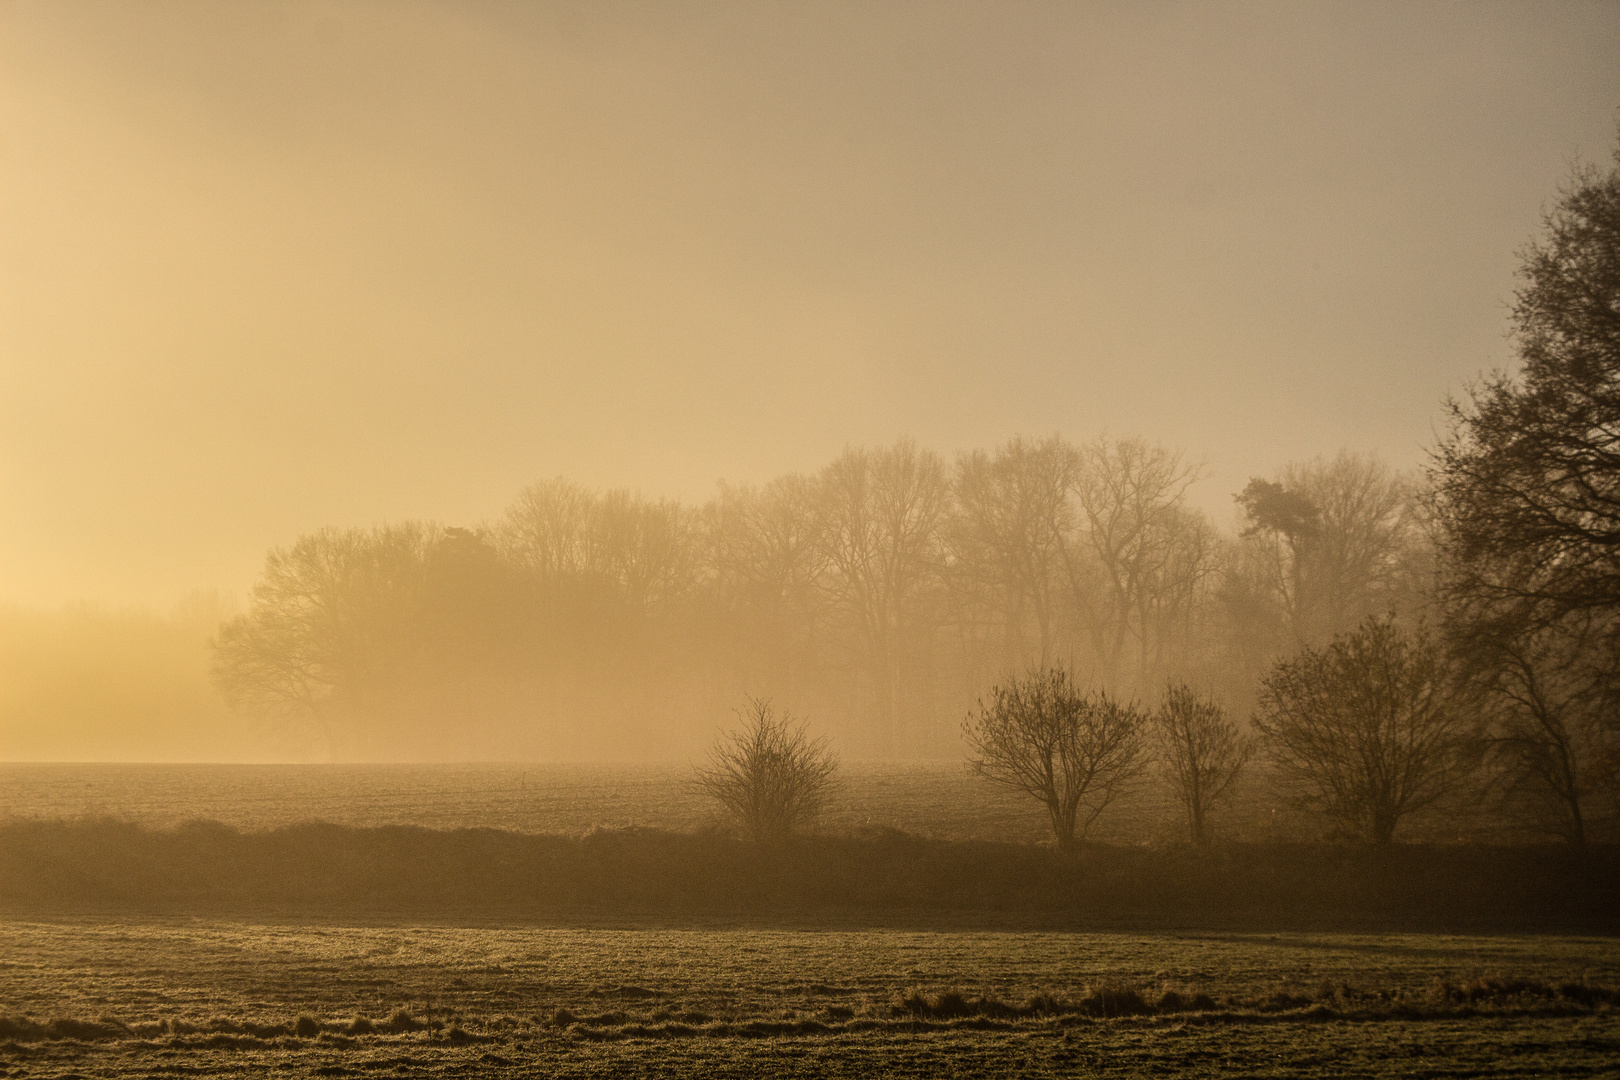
(1526, 490)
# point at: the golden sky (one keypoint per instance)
(270, 266)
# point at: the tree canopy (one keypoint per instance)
(1527, 482)
(1526, 494)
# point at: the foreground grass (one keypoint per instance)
(155, 997)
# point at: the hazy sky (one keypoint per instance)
(266, 267)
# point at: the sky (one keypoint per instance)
(266, 267)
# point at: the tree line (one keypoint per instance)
(1390, 634)
(880, 595)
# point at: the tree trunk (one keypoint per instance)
(1383, 826)
(1062, 826)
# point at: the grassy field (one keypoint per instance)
(162, 998)
(446, 948)
(939, 799)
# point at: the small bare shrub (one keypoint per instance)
(771, 776)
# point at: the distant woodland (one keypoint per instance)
(879, 597)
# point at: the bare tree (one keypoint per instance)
(647, 549)
(329, 633)
(1526, 496)
(1140, 551)
(1527, 483)
(1327, 543)
(644, 550)
(1075, 752)
(1176, 603)
(1364, 730)
(1548, 704)
(1007, 535)
(883, 515)
(547, 531)
(1202, 752)
(767, 566)
(771, 776)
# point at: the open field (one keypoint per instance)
(167, 997)
(413, 940)
(938, 799)
(928, 799)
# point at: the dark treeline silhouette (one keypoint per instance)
(880, 596)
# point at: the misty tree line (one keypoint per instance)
(1398, 639)
(879, 595)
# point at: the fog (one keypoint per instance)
(878, 596)
(380, 269)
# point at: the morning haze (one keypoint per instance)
(271, 267)
(833, 540)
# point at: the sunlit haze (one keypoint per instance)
(271, 267)
(853, 539)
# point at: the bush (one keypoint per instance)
(1365, 730)
(770, 775)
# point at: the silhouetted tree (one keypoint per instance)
(1328, 543)
(645, 550)
(331, 628)
(549, 530)
(473, 629)
(1201, 750)
(768, 569)
(1364, 729)
(1527, 483)
(883, 592)
(1548, 708)
(1075, 752)
(771, 776)
(1527, 500)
